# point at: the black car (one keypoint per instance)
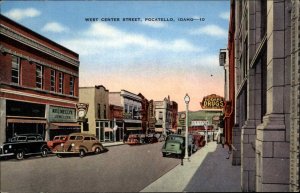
(24, 145)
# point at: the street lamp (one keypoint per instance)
(187, 100)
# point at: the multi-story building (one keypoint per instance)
(174, 116)
(151, 115)
(132, 105)
(116, 121)
(163, 115)
(267, 93)
(98, 120)
(232, 134)
(38, 84)
(144, 113)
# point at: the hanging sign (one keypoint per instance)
(212, 102)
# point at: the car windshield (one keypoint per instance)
(176, 138)
(56, 138)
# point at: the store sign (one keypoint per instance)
(61, 114)
(199, 123)
(212, 102)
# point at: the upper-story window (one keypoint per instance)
(60, 82)
(39, 76)
(99, 111)
(72, 85)
(104, 112)
(15, 70)
(52, 80)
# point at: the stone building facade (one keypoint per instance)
(267, 93)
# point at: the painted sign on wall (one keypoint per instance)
(61, 114)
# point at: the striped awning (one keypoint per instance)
(9, 120)
(159, 130)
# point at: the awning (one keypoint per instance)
(133, 128)
(107, 129)
(26, 121)
(159, 130)
(64, 126)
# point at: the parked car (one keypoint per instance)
(175, 145)
(135, 139)
(81, 144)
(57, 140)
(151, 138)
(24, 145)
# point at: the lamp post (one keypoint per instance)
(187, 100)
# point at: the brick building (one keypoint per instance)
(267, 93)
(38, 83)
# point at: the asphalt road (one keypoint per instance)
(122, 169)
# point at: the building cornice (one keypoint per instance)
(6, 50)
(8, 32)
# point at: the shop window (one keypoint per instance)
(60, 82)
(39, 76)
(15, 70)
(72, 86)
(52, 80)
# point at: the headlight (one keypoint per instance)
(73, 144)
(5, 151)
(62, 144)
(1, 146)
(9, 146)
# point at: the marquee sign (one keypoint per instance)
(212, 102)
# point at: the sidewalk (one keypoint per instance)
(207, 171)
(109, 144)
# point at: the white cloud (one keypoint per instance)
(19, 14)
(224, 15)
(154, 24)
(54, 27)
(210, 30)
(102, 37)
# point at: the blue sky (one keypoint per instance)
(156, 58)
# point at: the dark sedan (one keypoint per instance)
(24, 145)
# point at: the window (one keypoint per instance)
(126, 108)
(104, 111)
(60, 82)
(31, 138)
(79, 138)
(15, 70)
(52, 80)
(87, 138)
(39, 76)
(99, 111)
(71, 85)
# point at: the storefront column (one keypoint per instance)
(273, 137)
(2, 120)
(47, 129)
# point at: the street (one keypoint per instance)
(122, 169)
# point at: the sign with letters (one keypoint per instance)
(62, 114)
(212, 102)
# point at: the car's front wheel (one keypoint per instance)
(81, 153)
(20, 155)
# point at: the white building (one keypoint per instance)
(132, 105)
(163, 115)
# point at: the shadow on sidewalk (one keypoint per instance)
(216, 174)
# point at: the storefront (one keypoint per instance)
(132, 127)
(62, 121)
(103, 130)
(24, 118)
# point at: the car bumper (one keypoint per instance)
(6, 154)
(171, 152)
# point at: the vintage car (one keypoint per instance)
(24, 145)
(57, 140)
(175, 145)
(81, 144)
(151, 138)
(135, 139)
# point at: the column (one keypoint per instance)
(272, 144)
(2, 120)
